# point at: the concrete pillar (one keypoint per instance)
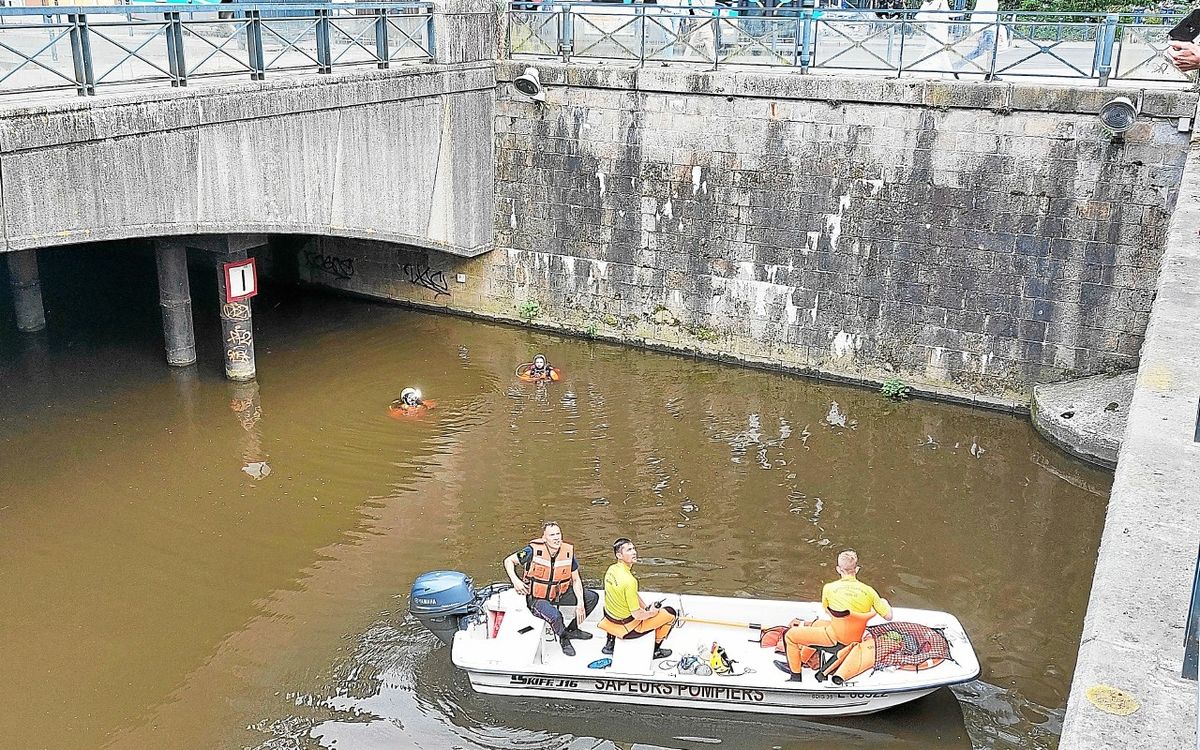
(237, 328)
(175, 299)
(27, 290)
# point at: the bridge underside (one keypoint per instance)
(401, 156)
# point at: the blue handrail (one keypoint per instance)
(179, 41)
(835, 35)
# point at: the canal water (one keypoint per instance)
(187, 563)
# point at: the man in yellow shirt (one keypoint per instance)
(850, 604)
(625, 614)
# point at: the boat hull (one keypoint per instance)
(506, 650)
(652, 692)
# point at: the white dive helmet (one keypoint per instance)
(410, 394)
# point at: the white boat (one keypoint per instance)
(506, 650)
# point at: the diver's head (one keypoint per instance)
(539, 361)
(410, 396)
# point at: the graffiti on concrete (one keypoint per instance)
(339, 268)
(428, 278)
(238, 355)
(235, 311)
(239, 336)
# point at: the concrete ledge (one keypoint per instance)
(1003, 97)
(1133, 633)
(1086, 417)
(65, 121)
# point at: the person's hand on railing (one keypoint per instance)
(1184, 55)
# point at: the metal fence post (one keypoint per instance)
(1106, 36)
(991, 74)
(324, 54)
(431, 37)
(381, 39)
(717, 38)
(175, 60)
(566, 40)
(806, 40)
(254, 49)
(180, 58)
(81, 55)
(1191, 634)
(641, 12)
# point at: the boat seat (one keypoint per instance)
(522, 648)
(829, 658)
(633, 655)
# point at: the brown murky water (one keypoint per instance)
(155, 594)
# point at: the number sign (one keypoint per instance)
(241, 280)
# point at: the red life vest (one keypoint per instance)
(549, 577)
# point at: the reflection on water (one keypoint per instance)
(188, 563)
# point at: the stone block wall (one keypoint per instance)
(970, 239)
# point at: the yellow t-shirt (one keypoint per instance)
(852, 594)
(620, 591)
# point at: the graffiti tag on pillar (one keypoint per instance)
(238, 354)
(339, 268)
(427, 278)
(235, 311)
(239, 336)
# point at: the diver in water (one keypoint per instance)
(540, 367)
(410, 398)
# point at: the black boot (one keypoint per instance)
(792, 676)
(660, 652)
(609, 645)
(567, 648)
(573, 631)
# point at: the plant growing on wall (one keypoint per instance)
(895, 389)
(528, 310)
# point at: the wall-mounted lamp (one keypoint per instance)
(1119, 114)
(530, 85)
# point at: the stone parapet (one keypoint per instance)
(1133, 636)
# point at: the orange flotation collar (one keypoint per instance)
(400, 410)
(524, 374)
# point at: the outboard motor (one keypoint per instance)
(441, 599)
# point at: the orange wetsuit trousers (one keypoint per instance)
(800, 639)
(660, 623)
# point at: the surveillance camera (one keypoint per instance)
(530, 85)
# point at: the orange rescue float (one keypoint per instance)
(524, 374)
(400, 410)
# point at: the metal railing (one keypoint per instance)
(1079, 46)
(86, 47)
(1191, 636)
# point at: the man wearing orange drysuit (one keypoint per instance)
(850, 604)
